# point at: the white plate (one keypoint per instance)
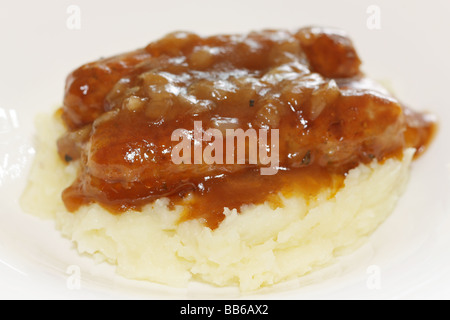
(408, 256)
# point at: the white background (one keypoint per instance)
(411, 52)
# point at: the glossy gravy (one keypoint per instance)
(120, 113)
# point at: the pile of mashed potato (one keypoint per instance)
(258, 247)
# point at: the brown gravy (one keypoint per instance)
(120, 113)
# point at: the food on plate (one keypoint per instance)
(231, 159)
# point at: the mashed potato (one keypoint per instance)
(258, 247)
